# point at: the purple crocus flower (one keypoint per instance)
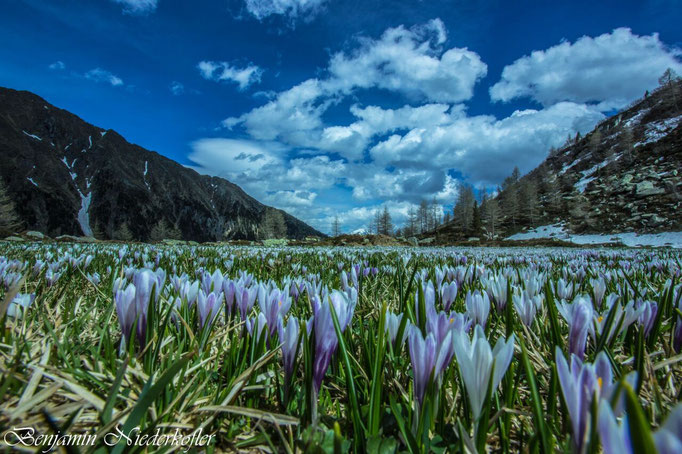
(578, 315)
(258, 323)
(598, 290)
(648, 316)
(325, 335)
(615, 438)
(245, 299)
(145, 281)
(423, 357)
(208, 306)
(448, 293)
(476, 359)
(392, 326)
(582, 383)
(126, 310)
(668, 438)
(229, 290)
(478, 307)
(289, 338)
(274, 304)
(497, 291)
(526, 306)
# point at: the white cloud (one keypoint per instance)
(176, 88)
(293, 9)
(407, 61)
(58, 65)
(265, 172)
(220, 71)
(610, 70)
(412, 62)
(483, 148)
(138, 6)
(102, 75)
(288, 117)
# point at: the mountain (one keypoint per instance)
(624, 176)
(69, 177)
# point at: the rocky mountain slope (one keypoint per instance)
(69, 177)
(624, 176)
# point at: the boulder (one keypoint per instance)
(35, 235)
(14, 238)
(413, 241)
(647, 189)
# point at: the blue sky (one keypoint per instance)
(333, 107)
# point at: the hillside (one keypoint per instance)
(624, 176)
(69, 177)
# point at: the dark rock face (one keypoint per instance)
(68, 177)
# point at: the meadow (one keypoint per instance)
(330, 349)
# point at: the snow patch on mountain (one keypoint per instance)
(631, 239)
(33, 136)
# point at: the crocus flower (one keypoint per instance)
(245, 298)
(423, 357)
(258, 323)
(578, 315)
(289, 338)
(478, 307)
(274, 304)
(325, 335)
(582, 383)
(668, 438)
(208, 306)
(648, 316)
(564, 290)
(392, 326)
(126, 310)
(598, 290)
(145, 282)
(615, 438)
(475, 359)
(526, 306)
(20, 303)
(448, 293)
(497, 291)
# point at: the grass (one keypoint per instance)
(64, 370)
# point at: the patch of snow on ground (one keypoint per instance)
(90, 140)
(31, 180)
(672, 239)
(33, 136)
(83, 215)
(103, 133)
(659, 129)
(635, 120)
(67, 147)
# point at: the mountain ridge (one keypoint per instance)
(68, 176)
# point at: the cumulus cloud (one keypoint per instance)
(483, 148)
(224, 71)
(138, 6)
(407, 61)
(610, 70)
(102, 75)
(292, 9)
(410, 61)
(58, 65)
